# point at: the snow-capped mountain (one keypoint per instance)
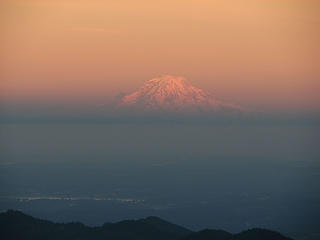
(172, 93)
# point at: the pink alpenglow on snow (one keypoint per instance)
(171, 93)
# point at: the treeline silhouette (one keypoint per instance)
(15, 225)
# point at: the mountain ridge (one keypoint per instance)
(17, 225)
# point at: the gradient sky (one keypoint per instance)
(261, 53)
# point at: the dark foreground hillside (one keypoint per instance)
(15, 225)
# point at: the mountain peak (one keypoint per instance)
(172, 93)
(173, 81)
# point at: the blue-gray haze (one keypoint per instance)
(230, 177)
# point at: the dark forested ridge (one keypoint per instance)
(15, 225)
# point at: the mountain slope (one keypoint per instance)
(165, 226)
(208, 235)
(172, 93)
(261, 234)
(252, 234)
(15, 225)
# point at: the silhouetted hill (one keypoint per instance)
(252, 234)
(208, 234)
(143, 229)
(15, 225)
(165, 226)
(261, 234)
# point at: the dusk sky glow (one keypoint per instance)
(202, 113)
(256, 53)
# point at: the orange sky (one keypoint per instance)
(253, 52)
